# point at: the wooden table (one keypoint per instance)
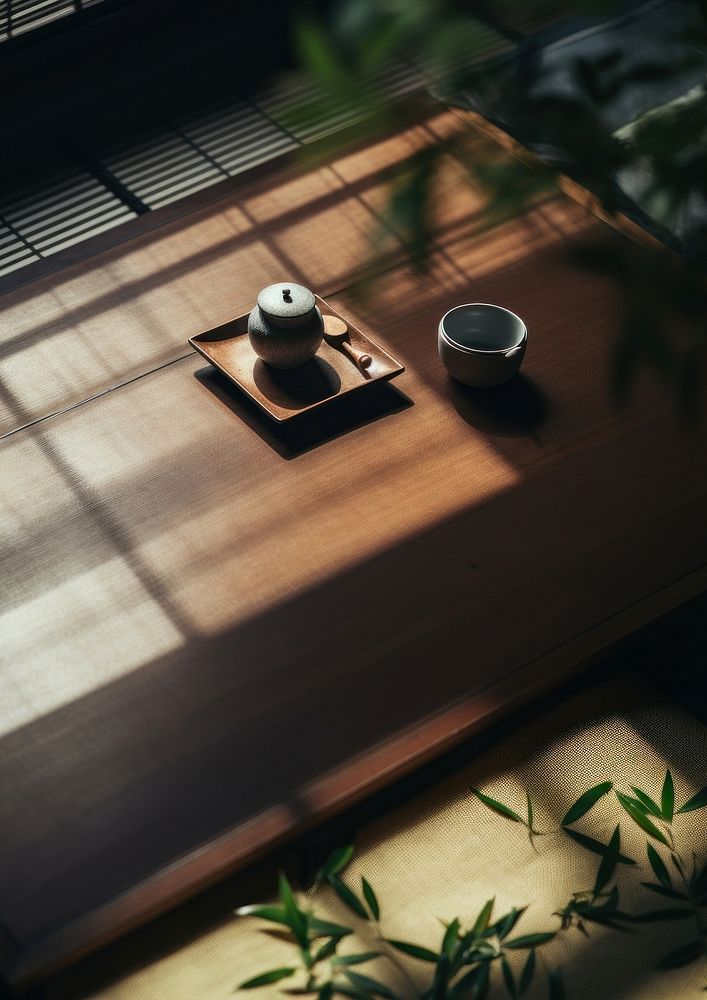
(215, 632)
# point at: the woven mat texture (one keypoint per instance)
(443, 853)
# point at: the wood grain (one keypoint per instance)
(215, 631)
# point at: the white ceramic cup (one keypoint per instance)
(481, 345)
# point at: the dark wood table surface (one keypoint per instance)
(215, 632)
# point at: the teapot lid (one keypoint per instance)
(286, 301)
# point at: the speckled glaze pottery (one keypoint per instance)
(481, 345)
(286, 327)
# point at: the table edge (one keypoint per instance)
(339, 789)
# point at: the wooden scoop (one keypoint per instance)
(336, 333)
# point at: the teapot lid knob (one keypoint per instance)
(286, 300)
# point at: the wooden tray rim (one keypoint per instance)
(398, 366)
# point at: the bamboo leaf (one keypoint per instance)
(509, 977)
(326, 950)
(347, 990)
(297, 920)
(595, 845)
(530, 940)
(526, 976)
(336, 861)
(658, 866)
(640, 818)
(265, 978)
(325, 928)
(347, 896)
(662, 890)
(681, 956)
(441, 978)
(652, 807)
(414, 950)
(505, 925)
(556, 985)
(611, 903)
(451, 936)
(696, 802)
(276, 914)
(530, 810)
(474, 985)
(609, 861)
(326, 991)
(585, 802)
(667, 798)
(359, 959)
(498, 806)
(372, 986)
(371, 898)
(482, 921)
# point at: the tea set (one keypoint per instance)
(293, 353)
(480, 345)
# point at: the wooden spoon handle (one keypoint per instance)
(359, 358)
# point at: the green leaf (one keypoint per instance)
(652, 807)
(347, 896)
(505, 925)
(440, 979)
(663, 890)
(351, 991)
(265, 978)
(658, 866)
(451, 936)
(370, 897)
(696, 802)
(671, 913)
(556, 985)
(611, 903)
(364, 956)
(530, 940)
(481, 951)
(667, 798)
(676, 862)
(276, 914)
(372, 986)
(498, 806)
(482, 921)
(640, 818)
(530, 810)
(325, 928)
(415, 950)
(509, 978)
(326, 950)
(681, 956)
(296, 919)
(585, 802)
(326, 991)
(474, 985)
(609, 861)
(526, 976)
(595, 845)
(337, 860)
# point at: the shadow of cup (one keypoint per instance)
(514, 409)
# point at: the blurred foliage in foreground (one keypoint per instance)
(664, 294)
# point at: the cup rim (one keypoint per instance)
(480, 350)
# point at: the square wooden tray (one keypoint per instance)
(286, 394)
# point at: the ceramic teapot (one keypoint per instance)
(285, 327)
